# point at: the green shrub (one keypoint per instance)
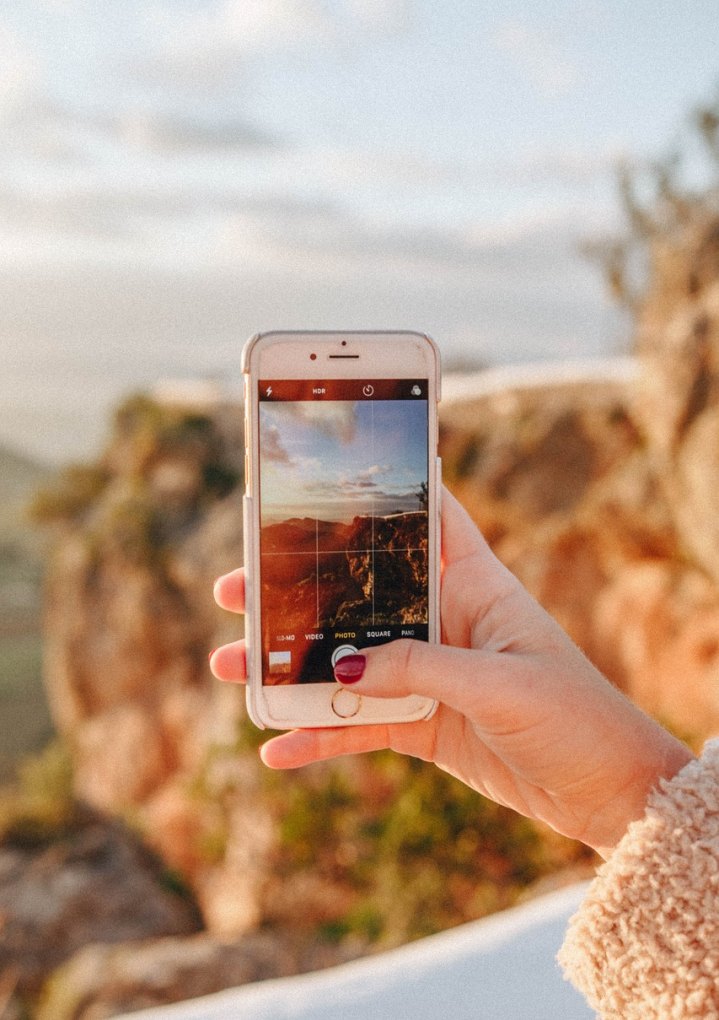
(70, 495)
(40, 807)
(132, 527)
(153, 430)
(413, 850)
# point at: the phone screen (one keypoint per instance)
(343, 488)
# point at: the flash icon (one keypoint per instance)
(268, 392)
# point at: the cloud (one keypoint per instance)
(163, 183)
(20, 71)
(208, 46)
(539, 57)
(363, 481)
(272, 447)
(55, 133)
(377, 16)
(335, 245)
(565, 167)
(251, 25)
(83, 330)
(336, 419)
(172, 134)
(162, 216)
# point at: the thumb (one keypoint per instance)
(458, 677)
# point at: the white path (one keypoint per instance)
(499, 968)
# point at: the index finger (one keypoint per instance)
(229, 591)
(460, 535)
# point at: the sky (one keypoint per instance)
(336, 459)
(177, 176)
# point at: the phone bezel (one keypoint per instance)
(278, 355)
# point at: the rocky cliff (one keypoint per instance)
(600, 496)
(129, 620)
(370, 570)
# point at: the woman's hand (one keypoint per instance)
(523, 717)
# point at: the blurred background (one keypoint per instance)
(530, 184)
(177, 176)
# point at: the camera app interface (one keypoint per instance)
(344, 520)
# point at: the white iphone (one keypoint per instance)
(341, 517)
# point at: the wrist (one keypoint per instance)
(663, 760)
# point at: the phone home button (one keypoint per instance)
(345, 703)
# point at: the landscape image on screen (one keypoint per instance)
(344, 530)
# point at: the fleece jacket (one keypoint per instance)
(644, 945)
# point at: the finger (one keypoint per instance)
(229, 590)
(473, 682)
(473, 579)
(466, 552)
(460, 535)
(229, 662)
(301, 747)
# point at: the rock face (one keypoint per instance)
(603, 498)
(102, 981)
(570, 488)
(395, 578)
(129, 623)
(341, 580)
(678, 405)
(97, 884)
(555, 477)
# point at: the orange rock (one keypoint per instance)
(663, 623)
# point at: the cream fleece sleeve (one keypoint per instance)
(645, 943)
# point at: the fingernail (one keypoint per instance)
(349, 669)
(211, 653)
